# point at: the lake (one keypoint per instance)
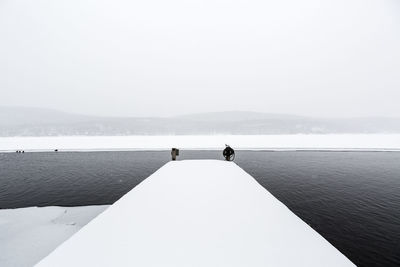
(350, 198)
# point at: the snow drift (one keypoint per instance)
(29, 234)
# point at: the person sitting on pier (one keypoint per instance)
(228, 153)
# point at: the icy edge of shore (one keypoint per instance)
(29, 234)
(326, 142)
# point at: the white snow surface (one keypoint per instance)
(197, 213)
(27, 235)
(275, 142)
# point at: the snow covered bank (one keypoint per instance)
(29, 234)
(197, 213)
(275, 142)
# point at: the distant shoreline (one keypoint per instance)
(297, 142)
(212, 149)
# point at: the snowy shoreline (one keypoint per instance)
(328, 142)
(29, 234)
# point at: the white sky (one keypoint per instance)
(155, 58)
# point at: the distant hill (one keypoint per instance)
(17, 121)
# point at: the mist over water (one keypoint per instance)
(351, 198)
(18, 121)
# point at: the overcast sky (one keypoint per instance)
(338, 58)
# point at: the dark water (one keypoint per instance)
(350, 198)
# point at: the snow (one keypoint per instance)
(27, 235)
(274, 142)
(197, 213)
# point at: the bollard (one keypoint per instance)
(174, 153)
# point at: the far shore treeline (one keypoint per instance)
(20, 121)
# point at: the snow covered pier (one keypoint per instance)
(197, 213)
